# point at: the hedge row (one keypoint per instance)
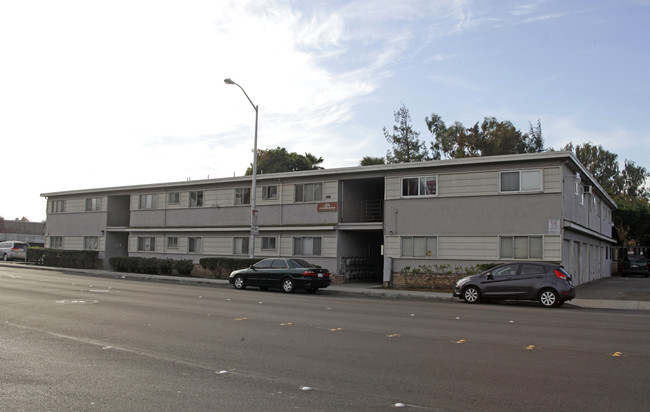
(222, 267)
(152, 266)
(81, 259)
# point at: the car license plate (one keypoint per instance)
(320, 275)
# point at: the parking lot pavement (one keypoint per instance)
(634, 288)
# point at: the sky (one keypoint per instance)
(112, 93)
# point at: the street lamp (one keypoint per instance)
(254, 228)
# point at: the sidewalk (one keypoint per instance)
(360, 289)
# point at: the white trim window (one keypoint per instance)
(269, 243)
(308, 192)
(93, 204)
(307, 246)
(420, 186)
(419, 246)
(521, 181)
(240, 245)
(172, 242)
(56, 242)
(173, 198)
(147, 201)
(146, 244)
(194, 245)
(91, 242)
(270, 192)
(243, 196)
(57, 206)
(196, 198)
(522, 247)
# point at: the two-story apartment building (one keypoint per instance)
(361, 222)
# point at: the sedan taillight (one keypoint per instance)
(559, 274)
(312, 273)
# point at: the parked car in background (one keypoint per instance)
(12, 249)
(550, 284)
(634, 265)
(285, 273)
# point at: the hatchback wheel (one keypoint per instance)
(288, 285)
(471, 294)
(239, 282)
(549, 298)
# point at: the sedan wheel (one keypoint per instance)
(471, 295)
(288, 285)
(239, 282)
(548, 298)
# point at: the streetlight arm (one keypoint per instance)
(228, 81)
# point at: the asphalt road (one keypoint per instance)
(72, 342)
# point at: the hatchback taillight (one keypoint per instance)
(559, 274)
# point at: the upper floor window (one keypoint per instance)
(243, 196)
(93, 203)
(521, 181)
(91, 242)
(147, 201)
(196, 198)
(57, 206)
(309, 192)
(173, 198)
(269, 192)
(420, 186)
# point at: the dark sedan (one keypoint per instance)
(284, 273)
(635, 265)
(549, 284)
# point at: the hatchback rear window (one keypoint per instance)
(636, 259)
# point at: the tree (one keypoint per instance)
(407, 146)
(369, 161)
(601, 163)
(634, 178)
(279, 160)
(491, 137)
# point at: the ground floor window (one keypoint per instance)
(146, 244)
(56, 242)
(172, 242)
(194, 245)
(268, 243)
(420, 246)
(91, 242)
(522, 247)
(240, 245)
(307, 246)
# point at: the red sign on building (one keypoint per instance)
(328, 207)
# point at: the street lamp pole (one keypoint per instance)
(254, 226)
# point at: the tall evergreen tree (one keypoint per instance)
(405, 141)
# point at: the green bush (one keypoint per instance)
(184, 266)
(151, 266)
(222, 267)
(80, 259)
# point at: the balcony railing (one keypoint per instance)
(362, 211)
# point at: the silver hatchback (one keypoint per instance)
(12, 249)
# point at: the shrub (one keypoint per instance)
(184, 266)
(222, 267)
(81, 259)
